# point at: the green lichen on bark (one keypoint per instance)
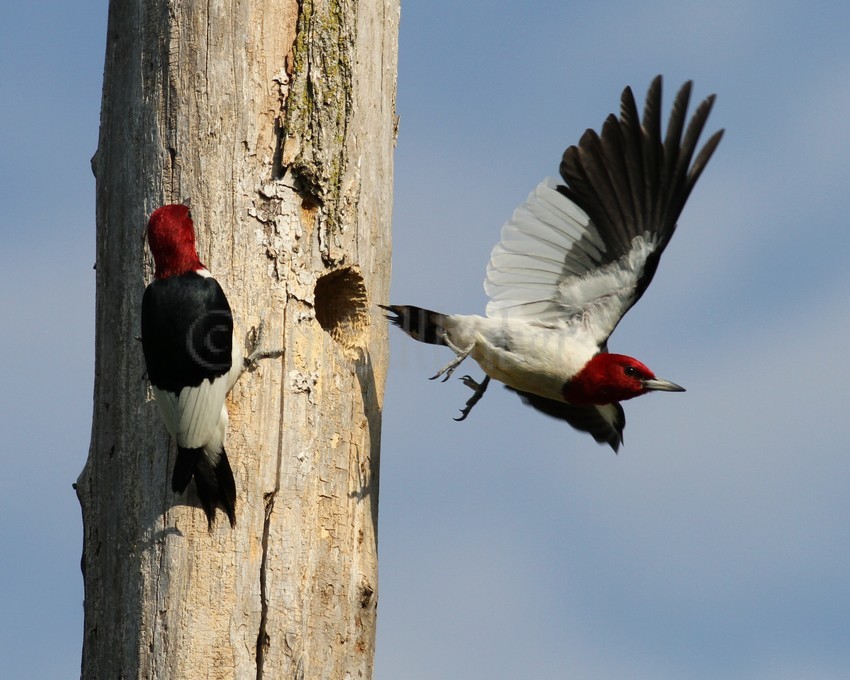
(318, 106)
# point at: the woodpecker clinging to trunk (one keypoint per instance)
(192, 359)
(572, 260)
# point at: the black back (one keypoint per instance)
(187, 331)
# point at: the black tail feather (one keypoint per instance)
(215, 484)
(184, 468)
(420, 324)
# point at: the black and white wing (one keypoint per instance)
(187, 339)
(605, 423)
(582, 252)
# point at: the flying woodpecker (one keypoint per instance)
(191, 357)
(572, 260)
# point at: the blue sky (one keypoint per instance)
(717, 544)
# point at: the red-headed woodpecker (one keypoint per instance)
(571, 262)
(192, 361)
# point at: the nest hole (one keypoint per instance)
(342, 307)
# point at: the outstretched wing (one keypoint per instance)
(584, 252)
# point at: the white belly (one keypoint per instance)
(526, 357)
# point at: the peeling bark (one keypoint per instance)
(276, 118)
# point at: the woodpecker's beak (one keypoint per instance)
(657, 384)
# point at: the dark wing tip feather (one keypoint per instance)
(614, 148)
(631, 178)
(633, 156)
(634, 180)
(600, 177)
(629, 115)
(703, 157)
(675, 126)
(652, 106)
(685, 167)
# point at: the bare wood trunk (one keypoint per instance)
(276, 118)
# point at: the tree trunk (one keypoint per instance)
(276, 118)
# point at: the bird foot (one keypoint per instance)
(460, 354)
(257, 352)
(478, 391)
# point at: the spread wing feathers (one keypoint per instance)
(585, 251)
(604, 423)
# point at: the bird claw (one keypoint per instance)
(257, 353)
(447, 370)
(460, 354)
(478, 392)
(470, 382)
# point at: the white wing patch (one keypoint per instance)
(199, 411)
(551, 267)
(166, 402)
(547, 238)
(197, 417)
(601, 297)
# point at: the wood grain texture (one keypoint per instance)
(277, 119)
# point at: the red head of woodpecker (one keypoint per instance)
(171, 237)
(607, 378)
(192, 361)
(573, 259)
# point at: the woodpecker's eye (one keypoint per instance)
(631, 371)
